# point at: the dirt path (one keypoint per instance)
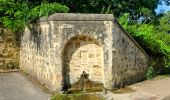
(15, 86)
(158, 86)
(155, 89)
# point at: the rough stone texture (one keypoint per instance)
(59, 48)
(83, 54)
(129, 60)
(9, 51)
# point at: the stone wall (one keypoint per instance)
(83, 54)
(9, 51)
(129, 60)
(57, 50)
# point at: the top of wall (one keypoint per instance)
(88, 17)
(77, 17)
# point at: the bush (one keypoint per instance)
(150, 72)
(151, 38)
(16, 14)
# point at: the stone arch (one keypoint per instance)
(82, 53)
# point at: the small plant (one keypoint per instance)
(150, 72)
(10, 65)
(77, 96)
(59, 96)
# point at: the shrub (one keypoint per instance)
(151, 39)
(16, 14)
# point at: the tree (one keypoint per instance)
(143, 10)
(15, 14)
(163, 32)
(137, 9)
(165, 23)
(154, 39)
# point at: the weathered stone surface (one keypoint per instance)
(9, 51)
(83, 54)
(129, 61)
(77, 17)
(59, 48)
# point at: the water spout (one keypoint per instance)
(83, 78)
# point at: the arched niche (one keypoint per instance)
(82, 53)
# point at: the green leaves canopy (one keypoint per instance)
(16, 14)
(154, 39)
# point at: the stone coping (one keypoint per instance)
(77, 17)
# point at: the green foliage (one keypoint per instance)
(136, 8)
(124, 20)
(9, 65)
(144, 33)
(59, 96)
(154, 39)
(164, 23)
(16, 14)
(163, 29)
(13, 14)
(77, 96)
(46, 9)
(150, 72)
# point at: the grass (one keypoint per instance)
(161, 76)
(87, 90)
(77, 96)
(124, 90)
